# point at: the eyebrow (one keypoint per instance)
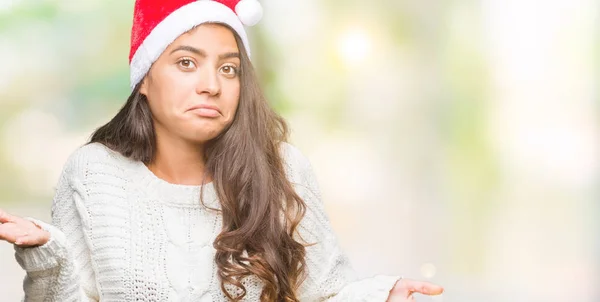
(202, 53)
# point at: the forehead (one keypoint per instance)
(209, 36)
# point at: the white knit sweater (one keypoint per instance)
(119, 233)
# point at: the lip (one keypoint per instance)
(206, 110)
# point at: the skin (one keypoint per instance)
(198, 68)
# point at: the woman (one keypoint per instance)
(190, 192)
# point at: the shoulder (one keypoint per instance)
(292, 157)
(91, 154)
(92, 161)
(298, 168)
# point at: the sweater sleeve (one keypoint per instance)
(61, 269)
(330, 275)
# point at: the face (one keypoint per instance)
(193, 88)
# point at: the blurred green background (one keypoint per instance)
(454, 141)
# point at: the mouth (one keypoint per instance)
(205, 111)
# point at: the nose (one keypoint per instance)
(208, 82)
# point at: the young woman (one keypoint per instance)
(190, 193)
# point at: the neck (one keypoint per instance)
(178, 161)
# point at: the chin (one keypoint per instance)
(202, 135)
(202, 129)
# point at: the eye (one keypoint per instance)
(186, 64)
(229, 70)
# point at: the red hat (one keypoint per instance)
(157, 23)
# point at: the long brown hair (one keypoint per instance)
(259, 206)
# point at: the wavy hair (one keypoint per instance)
(260, 208)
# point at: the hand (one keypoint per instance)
(21, 231)
(405, 288)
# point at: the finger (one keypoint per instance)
(422, 287)
(5, 217)
(25, 240)
(7, 233)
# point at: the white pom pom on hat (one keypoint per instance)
(249, 11)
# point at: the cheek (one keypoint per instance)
(230, 99)
(168, 98)
(156, 104)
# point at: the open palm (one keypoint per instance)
(21, 231)
(405, 289)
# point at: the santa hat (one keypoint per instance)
(157, 23)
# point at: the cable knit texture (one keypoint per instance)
(119, 233)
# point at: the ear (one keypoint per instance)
(144, 87)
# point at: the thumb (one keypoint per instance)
(5, 217)
(421, 287)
